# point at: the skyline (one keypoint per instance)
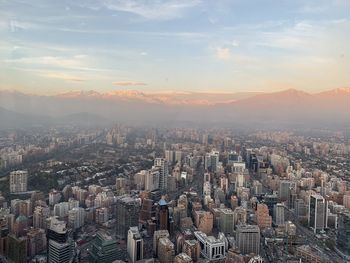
(195, 46)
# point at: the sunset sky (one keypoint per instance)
(50, 46)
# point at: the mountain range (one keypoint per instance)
(287, 108)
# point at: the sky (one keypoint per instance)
(51, 47)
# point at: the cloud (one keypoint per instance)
(223, 53)
(128, 83)
(63, 76)
(149, 9)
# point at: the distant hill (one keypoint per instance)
(287, 108)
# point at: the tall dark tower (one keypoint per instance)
(162, 215)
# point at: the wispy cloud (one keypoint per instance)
(149, 9)
(129, 83)
(63, 76)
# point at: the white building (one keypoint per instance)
(135, 244)
(18, 181)
(76, 217)
(212, 249)
(152, 180)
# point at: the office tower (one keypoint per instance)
(183, 258)
(301, 209)
(36, 239)
(17, 249)
(162, 215)
(343, 233)
(104, 248)
(18, 181)
(162, 164)
(226, 225)
(278, 214)
(156, 236)
(204, 221)
(135, 244)
(212, 248)
(211, 161)
(317, 210)
(263, 218)
(192, 249)
(284, 190)
(127, 214)
(248, 239)
(60, 246)
(166, 250)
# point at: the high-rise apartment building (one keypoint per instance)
(166, 250)
(18, 181)
(263, 218)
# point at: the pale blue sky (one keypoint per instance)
(49, 46)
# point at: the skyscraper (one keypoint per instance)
(60, 245)
(163, 215)
(162, 164)
(317, 210)
(127, 214)
(343, 233)
(135, 244)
